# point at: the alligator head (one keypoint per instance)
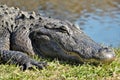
(63, 40)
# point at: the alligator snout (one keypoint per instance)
(106, 55)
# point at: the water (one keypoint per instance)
(100, 19)
(102, 27)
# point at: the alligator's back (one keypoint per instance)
(14, 29)
(10, 33)
(7, 16)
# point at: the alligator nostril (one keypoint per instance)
(106, 55)
(102, 50)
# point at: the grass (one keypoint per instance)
(64, 71)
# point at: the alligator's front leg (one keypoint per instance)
(19, 58)
(15, 57)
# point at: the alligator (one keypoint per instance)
(24, 34)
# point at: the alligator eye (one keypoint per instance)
(38, 33)
(63, 29)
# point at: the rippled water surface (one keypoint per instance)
(104, 29)
(100, 19)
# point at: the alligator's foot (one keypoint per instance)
(21, 59)
(30, 65)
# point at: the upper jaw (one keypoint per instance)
(102, 55)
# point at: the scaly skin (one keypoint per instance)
(8, 52)
(19, 58)
(23, 32)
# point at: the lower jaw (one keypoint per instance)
(105, 61)
(98, 61)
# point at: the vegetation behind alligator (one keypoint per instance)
(27, 32)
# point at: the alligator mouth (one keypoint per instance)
(103, 55)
